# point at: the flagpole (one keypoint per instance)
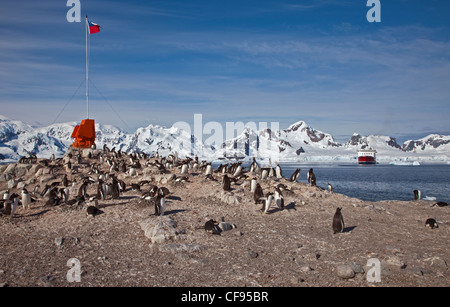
(87, 70)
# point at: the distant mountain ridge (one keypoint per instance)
(299, 142)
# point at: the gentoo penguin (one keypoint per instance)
(294, 177)
(14, 198)
(93, 209)
(26, 199)
(330, 188)
(52, 198)
(311, 177)
(440, 204)
(279, 200)
(83, 188)
(65, 181)
(212, 227)
(223, 226)
(184, 169)
(238, 171)
(264, 173)
(253, 184)
(115, 191)
(64, 193)
(135, 187)
(209, 170)
(416, 194)
(278, 171)
(133, 172)
(101, 193)
(226, 183)
(164, 191)
(257, 194)
(431, 223)
(160, 203)
(6, 195)
(268, 202)
(338, 221)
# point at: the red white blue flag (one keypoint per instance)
(93, 28)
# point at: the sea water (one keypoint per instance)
(378, 182)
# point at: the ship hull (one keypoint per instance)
(366, 160)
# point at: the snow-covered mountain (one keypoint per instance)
(297, 143)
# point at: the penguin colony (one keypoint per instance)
(78, 173)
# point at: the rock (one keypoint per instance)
(394, 261)
(356, 267)
(345, 271)
(159, 229)
(47, 281)
(305, 268)
(10, 169)
(436, 262)
(21, 170)
(229, 198)
(253, 254)
(5, 177)
(177, 248)
(164, 178)
(13, 183)
(46, 178)
(59, 241)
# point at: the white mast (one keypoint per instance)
(87, 70)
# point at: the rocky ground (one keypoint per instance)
(125, 244)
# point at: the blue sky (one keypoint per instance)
(159, 62)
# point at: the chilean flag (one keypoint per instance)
(93, 28)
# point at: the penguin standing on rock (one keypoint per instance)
(416, 194)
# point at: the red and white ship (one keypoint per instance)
(367, 156)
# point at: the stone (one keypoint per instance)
(356, 267)
(229, 198)
(305, 268)
(59, 241)
(345, 271)
(394, 261)
(252, 254)
(160, 229)
(180, 248)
